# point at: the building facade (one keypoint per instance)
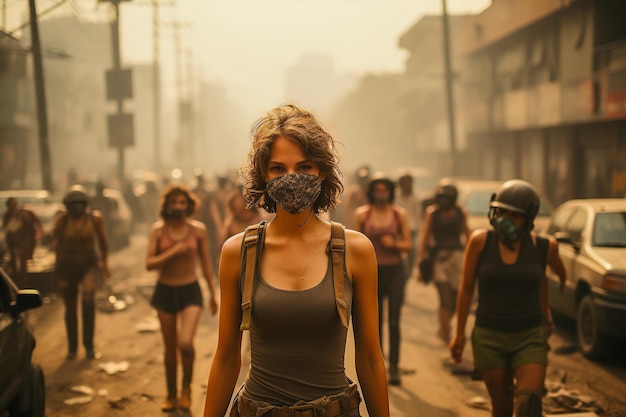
(17, 122)
(546, 95)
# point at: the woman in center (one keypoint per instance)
(297, 335)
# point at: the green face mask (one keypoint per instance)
(507, 230)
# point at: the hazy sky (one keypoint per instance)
(248, 44)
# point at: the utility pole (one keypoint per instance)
(449, 89)
(119, 87)
(40, 93)
(184, 105)
(156, 87)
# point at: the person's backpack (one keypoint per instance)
(251, 241)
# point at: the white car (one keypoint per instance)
(592, 243)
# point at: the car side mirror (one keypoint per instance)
(26, 300)
(565, 237)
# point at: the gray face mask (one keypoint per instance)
(294, 192)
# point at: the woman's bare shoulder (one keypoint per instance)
(357, 241)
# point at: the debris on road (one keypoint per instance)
(84, 399)
(480, 403)
(148, 325)
(113, 368)
(82, 389)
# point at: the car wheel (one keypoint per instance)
(591, 341)
(31, 401)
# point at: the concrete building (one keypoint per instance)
(18, 126)
(425, 97)
(546, 95)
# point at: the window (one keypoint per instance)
(609, 230)
(576, 225)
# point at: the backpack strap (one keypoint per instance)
(251, 243)
(249, 261)
(337, 253)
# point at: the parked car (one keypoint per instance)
(22, 387)
(475, 196)
(592, 242)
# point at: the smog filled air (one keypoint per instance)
(221, 64)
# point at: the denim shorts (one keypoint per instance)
(174, 298)
(495, 349)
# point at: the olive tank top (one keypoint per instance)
(297, 342)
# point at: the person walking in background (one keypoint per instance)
(356, 196)
(239, 216)
(407, 199)
(386, 225)
(445, 230)
(78, 266)
(175, 246)
(22, 229)
(209, 213)
(513, 319)
(298, 323)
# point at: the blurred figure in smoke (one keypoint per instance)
(209, 213)
(409, 201)
(176, 245)
(239, 217)
(356, 196)
(77, 265)
(444, 224)
(22, 228)
(386, 225)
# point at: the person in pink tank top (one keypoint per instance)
(176, 245)
(387, 226)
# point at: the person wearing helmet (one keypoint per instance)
(386, 225)
(442, 239)
(78, 265)
(513, 319)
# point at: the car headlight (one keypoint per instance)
(613, 282)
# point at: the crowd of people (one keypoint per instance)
(296, 279)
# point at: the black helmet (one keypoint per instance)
(76, 194)
(518, 196)
(447, 189)
(380, 178)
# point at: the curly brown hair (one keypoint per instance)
(303, 128)
(193, 202)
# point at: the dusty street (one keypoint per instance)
(130, 336)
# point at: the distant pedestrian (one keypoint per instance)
(386, 225)
(177, 243)
(355, 196)
(239, 216)
(442, 237)
(78, 237)
(407, 199)
(22, 228)
(513, 320)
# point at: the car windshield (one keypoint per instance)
(609, 230)
(478, 202)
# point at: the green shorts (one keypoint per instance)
(495, 349)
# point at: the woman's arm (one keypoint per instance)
(370, 367)
(205, 263)
(403, 244)
(227, 360)
(466, 291)
(102, 242)
(422, 239)
(154, 261)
